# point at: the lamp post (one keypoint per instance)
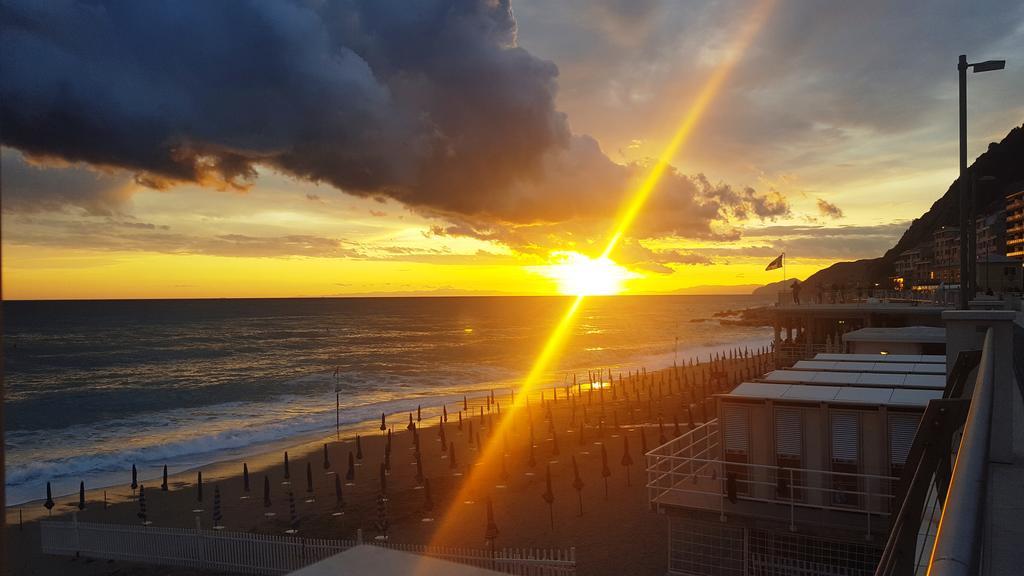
(966, 227)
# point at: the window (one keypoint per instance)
(789, 449)
(845, 457)
(737, 444)
(902, 429)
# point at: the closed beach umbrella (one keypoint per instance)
(444, 437)
(199, 486)
(359, 447)
(382, 515)
(327, 459)
(163, 486)
(409, 427)
(605, 470)
(135, 478)
(465, 404)
(549, 497)
(577, 483)
(81, 495)
(287, 470)
(451, 456)
(351, 474)
(266, 492)
(428, 500)
(245, 477)
(444, 413)
(49, 499)
(627, 459)
(142, 505)
(383, 424)
(492, 528)
(309, 477)
(460, 421)
(339, 495)
(217, 516)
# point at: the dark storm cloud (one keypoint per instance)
(430, 103)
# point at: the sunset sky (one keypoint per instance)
(234, 149)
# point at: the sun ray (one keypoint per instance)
(560, 332)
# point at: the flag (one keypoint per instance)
(775, 264)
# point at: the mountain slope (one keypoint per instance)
(1003, 161)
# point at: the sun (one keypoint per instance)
(580, 275)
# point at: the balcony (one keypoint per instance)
(689, 472)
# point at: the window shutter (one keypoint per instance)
(789, 436)
(902, 429)
(845, 436)
(737, 424)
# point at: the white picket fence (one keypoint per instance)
(250, 553)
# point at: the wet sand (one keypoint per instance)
(616, 534)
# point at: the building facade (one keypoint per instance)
(1015, 225)
(946, 258)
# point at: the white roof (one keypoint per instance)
(367, 559)
(913, 358)
(833, 394)
(893, 367)
(864, 379)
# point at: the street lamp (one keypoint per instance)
(967, 283)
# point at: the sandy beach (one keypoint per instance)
(616, 534)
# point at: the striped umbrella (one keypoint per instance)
(49, 499)
(382, 515)
(217, 517)
(292, 514)
(142, 506)
(163, 485)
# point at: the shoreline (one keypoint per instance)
(456, 518)
(431, 403)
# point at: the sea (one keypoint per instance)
(93, 387)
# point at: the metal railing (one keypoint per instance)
(691, 471)
(958, 541)
(250, 553)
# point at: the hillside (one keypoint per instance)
(1003, 161)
